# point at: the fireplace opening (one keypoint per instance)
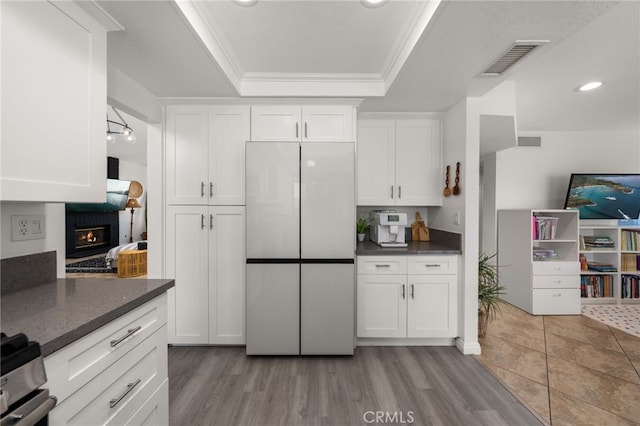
(93, 237)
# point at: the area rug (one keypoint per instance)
(622, 317)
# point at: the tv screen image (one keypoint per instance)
(604, 196)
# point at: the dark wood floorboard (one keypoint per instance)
(429, 385)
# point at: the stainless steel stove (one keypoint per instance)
(22, 401)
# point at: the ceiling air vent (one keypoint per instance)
(517, 51)
(529, 141)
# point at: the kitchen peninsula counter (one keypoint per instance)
(442, 242)
(60, 312)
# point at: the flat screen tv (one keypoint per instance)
(604, 196)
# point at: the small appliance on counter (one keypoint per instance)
(387, 229)
(21, 400)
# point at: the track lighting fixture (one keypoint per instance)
(124, 133)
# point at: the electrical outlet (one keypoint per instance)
(456, 218)
(28, 227)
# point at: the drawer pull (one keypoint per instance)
(380, 265)
(557, 295)
(130, 333)
(432, 265)
(115, 401)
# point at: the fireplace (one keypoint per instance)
(91, 233)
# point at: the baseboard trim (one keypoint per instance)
(470, 348)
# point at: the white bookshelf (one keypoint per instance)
(546, 284)
(618, 286)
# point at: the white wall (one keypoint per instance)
(132, 171)
(538, 177)
(55, 231)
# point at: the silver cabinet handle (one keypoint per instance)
(211, 189)
(202, 189)
(210, 221)
(202, 221)
(305, 130)
(391, 191)
(403, 290)
(399, 191)
(381, 265)
(296, 129)
(130, 333)
(115, 401)
(431, 265)
(412, 291)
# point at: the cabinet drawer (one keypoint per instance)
(382, 264)
(556, 301)
(75, 365)
(154, 412)
(555, 268)
(116, 394)
(440, 265)
(555, 281)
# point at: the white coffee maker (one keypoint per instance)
(387, 228)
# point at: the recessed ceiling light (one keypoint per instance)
(373, 3)
(589, 86)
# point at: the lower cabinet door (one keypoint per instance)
(154, 412)
(432, 306)
(382, 306)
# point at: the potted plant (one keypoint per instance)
(361, 226)
(489, 291)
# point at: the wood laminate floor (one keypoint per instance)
(400, 385)
(570, 370)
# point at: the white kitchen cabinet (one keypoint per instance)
(205, 255)
(116, 374)
(407, 296)
(399, 162)
(204, 154)
(311, 123)
(54, 91)
(540, 273)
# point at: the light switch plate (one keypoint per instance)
(28, 227)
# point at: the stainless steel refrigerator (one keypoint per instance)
(300, 220)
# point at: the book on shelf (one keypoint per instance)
(544, 227)
(594, 265)
(630, 239)
(630, 287)
(594, 286)
(590, 242)
(630, 262)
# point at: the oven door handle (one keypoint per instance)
(33, 417)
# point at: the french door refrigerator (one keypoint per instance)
(300, 212)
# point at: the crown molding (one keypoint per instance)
(314, 85)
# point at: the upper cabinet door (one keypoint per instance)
(376, 160)
(186, 153)
(418, 163)
(228, 132)
(54, 92)
(327, 123)
(276, 123)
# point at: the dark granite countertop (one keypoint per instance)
(442, 242)
(59, 312)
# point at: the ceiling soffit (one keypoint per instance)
(339, 77)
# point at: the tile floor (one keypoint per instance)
(569, 370)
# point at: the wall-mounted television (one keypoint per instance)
(604, 196)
